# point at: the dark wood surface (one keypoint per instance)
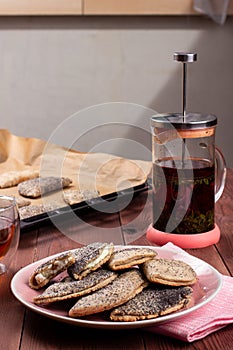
(20, 328)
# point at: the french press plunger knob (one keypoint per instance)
(184, 57)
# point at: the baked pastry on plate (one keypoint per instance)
(169, 272)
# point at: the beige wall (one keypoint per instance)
(51, 68)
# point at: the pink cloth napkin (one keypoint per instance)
(211, 317)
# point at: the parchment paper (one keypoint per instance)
(105, 173)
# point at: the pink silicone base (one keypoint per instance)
(199, 240)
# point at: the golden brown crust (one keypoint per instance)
(126, 258)
(169, 272)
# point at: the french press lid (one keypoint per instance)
(175, 120)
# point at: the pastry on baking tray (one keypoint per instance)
(153, 302)
(126, 258)
(33, 210)
(37, 187)
(51, 268)
(22, 202)
(169, 272)
(73, 289)
(76, 196)
(90, 258)
(13, 178)
(123, 288)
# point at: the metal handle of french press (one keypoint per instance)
(184, 57)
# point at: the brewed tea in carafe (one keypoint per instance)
(183, 173)
(188, 175)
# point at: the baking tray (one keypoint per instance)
(97, 203)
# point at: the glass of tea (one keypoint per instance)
(9, 231)
(188, 173)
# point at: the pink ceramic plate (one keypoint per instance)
(208, 285)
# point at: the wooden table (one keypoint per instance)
(20, 328)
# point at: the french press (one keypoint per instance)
(188, 175)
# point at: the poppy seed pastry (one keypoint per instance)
(73, 289)
(123, 288)
(129, 257)
(152, 303)
(76, 196)
(39, 186)
(90, 258)
(169, 272)
(51, 268)
(22, 202)
(33, 210)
